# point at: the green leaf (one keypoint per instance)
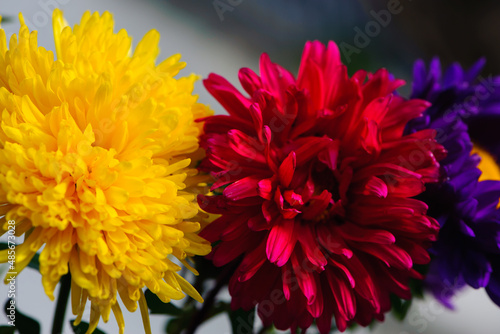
(177, 325)
(23, 323)
(7, 329)
(242, 321)
(82, 328)
(158, 307)
(272, 330)
(174, 326)
(7, 19)
(400, 307)
(217, 309)
(206, 267)
(417, 285)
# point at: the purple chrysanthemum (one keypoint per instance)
(468, 248)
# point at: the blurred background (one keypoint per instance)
(222, 36)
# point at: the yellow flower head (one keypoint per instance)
(95, 164)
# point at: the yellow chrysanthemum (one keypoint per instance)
(95, 151)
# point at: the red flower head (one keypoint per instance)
(317, 181)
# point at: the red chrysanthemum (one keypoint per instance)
(317, 181)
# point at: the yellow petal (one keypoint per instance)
(488, 166)
(58, 24)
(188, 288)
(143, 305)
(119, 317)
(94, 318)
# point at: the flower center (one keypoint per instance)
(324, 179)
(317, 199)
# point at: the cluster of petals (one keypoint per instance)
(95, 164)
(465, 203)
(314, 181)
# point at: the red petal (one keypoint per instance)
(397, 282)
(246, 187)
(275, 79)
(332, 242)
(418, 253)
(295, 101)
(228, 96)
(375, 186)
(347, 273)
(280, 242)
(381, 169)
(363, 234)
(316, 307)
(278, 199)
(248, 147)
(343, 295)
(324, 321)
(270, 159)
(377, 109)
(213, 231)
(214, 204)
(227, 251)
(252, 262)
(317, 205)
(269, 211)
(365, 286)
(311, 78)
(310, 246)
(316, 61)
(258, 124)
(288, 279)
(287, 169)
(307, 148)
(258, 223)
(288, 213)
(391, 255)
(330, 154)
(249, 80)
(221, 179)
(400, 112)
(266, 188)
(221, 124)
(305, 278)
(236, 227)
(292, 198)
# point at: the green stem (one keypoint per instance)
(62, 303)
(201, 315)
(265, 330)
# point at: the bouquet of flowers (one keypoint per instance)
(319, 199)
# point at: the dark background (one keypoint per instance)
(454, 30)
